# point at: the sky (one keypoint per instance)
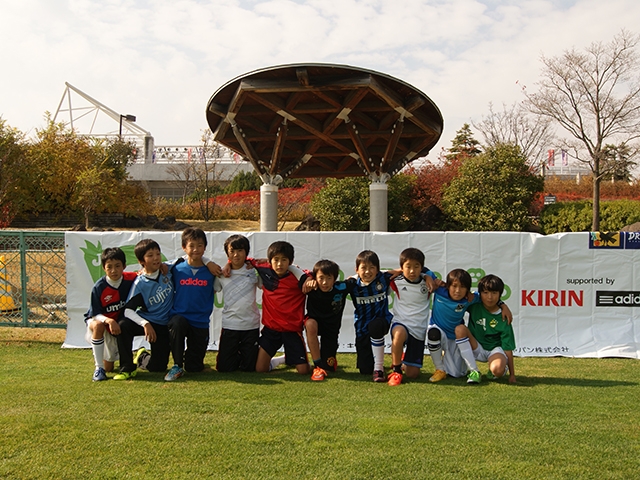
(162, 60)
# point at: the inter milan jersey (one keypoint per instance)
(447, 313)
(370, 301)
(110, 301)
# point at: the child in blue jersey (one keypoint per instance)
(108, 297)
(410, 315)
(372, 318)
(192, 305)
(450, 303)
(146, 312)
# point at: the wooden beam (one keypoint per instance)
(303, 76)
(218, 109)
(393, 143)
(278, 147)
(249, 153)
(352, 128)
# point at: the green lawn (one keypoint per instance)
(566, 418)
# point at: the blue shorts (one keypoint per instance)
(295, 350)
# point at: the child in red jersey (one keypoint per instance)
(282, 309)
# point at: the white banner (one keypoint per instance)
(573, 294)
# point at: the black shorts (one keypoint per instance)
(414, 351)
(238, 350)
(295, 350)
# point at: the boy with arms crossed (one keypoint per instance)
(108, 298)
(410, 315)
(146, 313)
(192, 305)
(490, 336)
(238, 348)
(282, 309)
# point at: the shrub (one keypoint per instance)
(576, 216)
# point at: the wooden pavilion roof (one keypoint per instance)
(322, 120)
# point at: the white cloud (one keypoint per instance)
(162, 60)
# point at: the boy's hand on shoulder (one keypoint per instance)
(394, 273)
(164, 268)
(215, 269)
(309, 285)
(470, 297)
(149, 333)
(431, 284)
(226, 270)
(506, 313)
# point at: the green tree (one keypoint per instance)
(463, 144)
(343, 204)
(618, 162)
(594, 96)
(14, 191)
(244, 181)
(493, 191)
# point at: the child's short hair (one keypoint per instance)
(461, 276)
(237, 242)
(143, 246)
(412, 254)
(113, 253)
(193, 234)
(327, 267)
(368, 256)
(491, 283)
(280, 247)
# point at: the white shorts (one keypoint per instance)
(482, 355)
(453, 363)
(110, 345)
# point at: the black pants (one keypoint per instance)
(159, 349)
(197, 341)
(238, 350)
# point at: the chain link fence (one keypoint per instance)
(33, 287)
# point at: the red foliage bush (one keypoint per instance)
(430, 181)
(569, 190)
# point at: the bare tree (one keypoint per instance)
(595, 97)
(515, 125)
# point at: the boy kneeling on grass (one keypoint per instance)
(146, 313)
(108, 297)
(490, 336)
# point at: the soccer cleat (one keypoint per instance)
(318, 374)
(394, 379)
(378, 376)
(125, 375)
(141, 358)
(99, 375)
(474, 377)
(437, 376)
(332, 364)
(175, 373)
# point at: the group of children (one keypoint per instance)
(171, 305)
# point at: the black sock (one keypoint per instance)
(397, 368)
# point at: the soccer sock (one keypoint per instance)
(377, 345)
(397, 368)
(143, 360)
(97, 345)
(466, 352)
(275, 361)
(435, 350)
(317, 363)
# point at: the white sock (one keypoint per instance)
(275, 361)
(377, 345)
(467, 353)
(97, 346)
(435, 350)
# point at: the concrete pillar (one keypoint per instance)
(148, 149)
(378, 193)
(268, 207)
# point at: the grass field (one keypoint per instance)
(565, 418)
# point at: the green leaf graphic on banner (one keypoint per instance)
(92, 258)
